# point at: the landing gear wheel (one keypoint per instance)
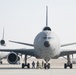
(65, 65)
(1, 62)
(28, 65)
(68, 65)
(47, 66)
(23, 65)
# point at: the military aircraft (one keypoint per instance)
(2, 41)
(46, 46)
(5, 54)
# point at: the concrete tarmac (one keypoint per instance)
(56, 69)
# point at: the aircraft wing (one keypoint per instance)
(21, 43)
(30, 52)
(65, 52)
(63, 45)
(68, 44)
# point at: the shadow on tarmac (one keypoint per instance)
(14, 68)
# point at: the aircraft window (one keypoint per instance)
(46, 37)
(49, 37)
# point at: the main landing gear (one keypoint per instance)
(25, 64)
(68, 64)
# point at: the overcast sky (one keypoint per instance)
(24, 19)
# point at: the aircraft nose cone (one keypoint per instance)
(46, 44)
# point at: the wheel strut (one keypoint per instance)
(68, 64)
(25, 64)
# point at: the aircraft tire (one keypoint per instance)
(23, 65)
(70, 66)
(48, 65)
(28, 65)
(65, 65)
(45, 66)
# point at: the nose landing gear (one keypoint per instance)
(47, 65)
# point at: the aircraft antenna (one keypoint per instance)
(46, 16)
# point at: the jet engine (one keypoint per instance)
(2, 42)
(12, 58)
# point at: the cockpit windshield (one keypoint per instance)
(46, 37)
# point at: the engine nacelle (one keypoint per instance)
(12, 58)
(2, 42)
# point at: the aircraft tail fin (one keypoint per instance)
(46, 16)
(2, 41)
(46, 27)
(3, 34)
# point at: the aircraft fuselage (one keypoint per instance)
(47, 45)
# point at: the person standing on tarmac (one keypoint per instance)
(42, 64)
(33, 65)
(38, 65)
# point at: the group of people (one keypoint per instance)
(38, 65)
